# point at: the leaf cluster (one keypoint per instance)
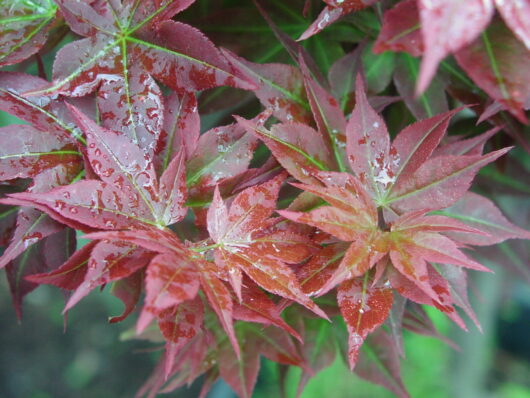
(256, 195)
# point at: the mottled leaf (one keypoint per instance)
(179, 324)
(364, 309)
(169, 280)
(262, 257)
(23, 28)
(27, 151)
(368, 146)
(328, 115)
(70, 274)
(143, 36)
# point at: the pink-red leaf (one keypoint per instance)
(70, 274)
(221, 153)
(439, 294)
(401, 30)
(92, 203)
(481, 213)
(301, 150)
(46, 114)
(179, 325)
(469, 146)
(155, 239)
(280, 87)
(320, 268)
(496, 63)
(364, 309)
(328, 115)
(256, 306)
(439, 182)
(173, 191)
(118, 161)
(416, 143)
(368, 145)
(176, 54)
(32, 226)
(326, 17)
(138, 112)
(515, 14)
(447, 26)
(109, 262)
(221, 302)
(217, 217)
(27, 152)
(181, 126)
(169, 280)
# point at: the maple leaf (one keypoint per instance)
(46, 114)
(297, 147)
(245, 244)
(379, 363)
(365, 210)
(222, 154)
(174, 276)
(513, 13)
(126, 45)
(24, 28)
(140, 33)
(481, 213)
(109, 262)
(122, 167)
(256, 306)
(478, 49)
(31, 224)
(128, 290)
(35, 232)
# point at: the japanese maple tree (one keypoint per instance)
(251, 201)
